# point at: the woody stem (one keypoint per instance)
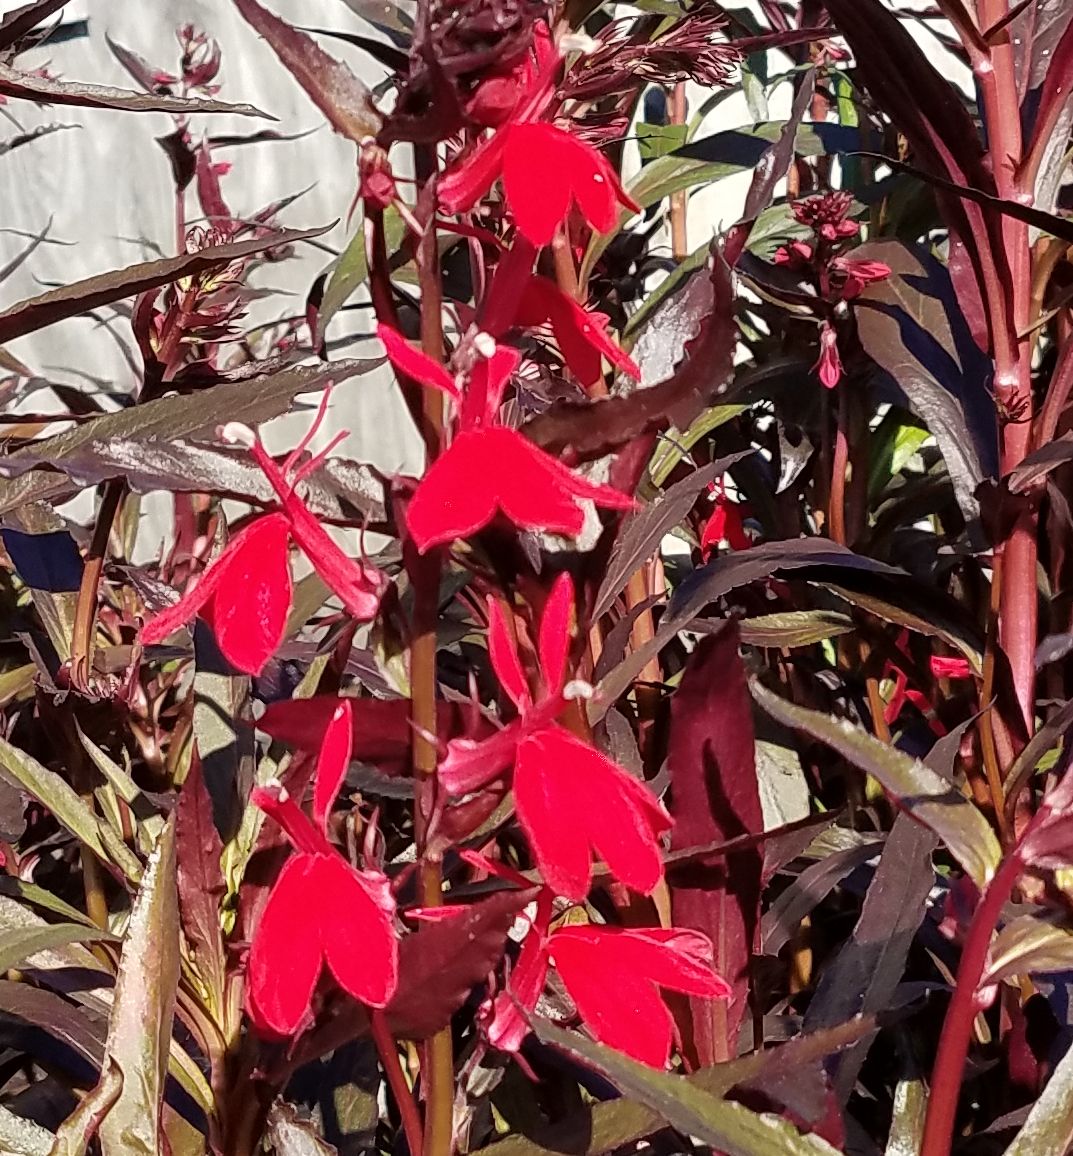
(425, 578)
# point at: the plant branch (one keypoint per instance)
(396, 1079)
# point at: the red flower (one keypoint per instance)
(489, 469)
(321, 909)
(246, 593)
(581, 334)
(827, 215)
(944, 666)
(829, 364)
(555, 773)
(854, 275)
(614, 977)
(797, 254)
(725, 524)
(545, 170)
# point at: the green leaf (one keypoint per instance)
(1029, 945)
(56, 794)
(657, 140)
(1048, 1131)
(352, 269)
(139, 1032)
(794, 628)
(19, 944)
(727, 1126)
(924, 793)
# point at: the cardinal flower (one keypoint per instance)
(545, 170)
(581, 334)
(829, 364)
(555, 773)
(725, 524)
(489, 469)
(246, 593)
(614, 977)
(321, 910)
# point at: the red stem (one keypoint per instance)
(389, 1061)
(957, 1027)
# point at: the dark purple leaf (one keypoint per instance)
(392, 58)
(139, 69)
(382, 732)
(83, 296)
(329, 83)
(1053, 98)
(1034, 468)
(642, 532)
(77, 1027)
(808, 890)
(714, 796)
(200, 880)
(687, 348)
(439, 966)
(864, 974)
(20, 22)
(912, 328)
(176, 146)
(42, 90)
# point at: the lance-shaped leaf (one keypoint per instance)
(924, 793)
(139, 1034)
(23, 20)
(76, 1132)
(715, 796)
(726, 1125)
(82, 296)
(45, 90)
(1029, 945)
(1048, 1130)
(329, 83)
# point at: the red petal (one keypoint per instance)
(280, 806)
(468, 181)
(504, 655)
(597, 189)
(469, 765)
(253, 602)
(360, 946)
(190, 605)
(544, 798)
(539, 177)
(620, 1007)
(622, 818)
(456, 496)
(509, 1022)
(415, 363)
(534, 490)
(676, 958)
(714, 529)
(554, 643)
(333, 761)
(285, 954)
(487, 384)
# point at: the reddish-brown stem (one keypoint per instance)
(836, 507)
(679, 230)
(957, 1026)
(85, 622)
(396, 1079)
(1013, 386)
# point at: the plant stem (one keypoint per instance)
(679, 230)
(836, 509)
(957, 1026)
(396, 1078)
(86, 610)
(438, 1068)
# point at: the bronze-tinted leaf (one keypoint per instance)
(82, 296)
(329, 83)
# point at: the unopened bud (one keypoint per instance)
(237, 434)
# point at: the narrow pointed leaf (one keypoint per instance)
(139, 1034)
(924, 793)
(1048, 1131)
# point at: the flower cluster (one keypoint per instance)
(835, 277)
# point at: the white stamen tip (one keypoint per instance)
(282, 794)
(485, 345)
(578, 688)
(237, 434)
(579, 42)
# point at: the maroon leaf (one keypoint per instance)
(20, 22)
(863, 976)
(698, 373)
(140, 70)
(715, 796)
(1053, 100)
(438, 968)
(198, 848)
(77, 1027)
(44, 90)
(1034, 33)
(329, 83)
(382, 732)
(82, 296)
